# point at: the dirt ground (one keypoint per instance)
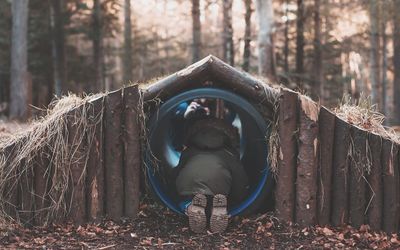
(157, 227)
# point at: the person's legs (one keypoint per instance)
(219, 214)
(197, 214)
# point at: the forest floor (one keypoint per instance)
(157, 227)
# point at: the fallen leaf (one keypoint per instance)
(327, 231)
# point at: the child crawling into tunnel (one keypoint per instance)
(210, 175)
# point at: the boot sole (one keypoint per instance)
(219, 214)
(197, 214)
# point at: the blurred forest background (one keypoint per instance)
(326, 48)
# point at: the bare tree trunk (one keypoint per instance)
(286, 47)
(229, 55)
(167, 49)
(374, 54)
(58, 48)
(266, 57)
(19, 90)
(300, 41)
(196, 31)
(127, 57)
(396, 61)
(98, 46)
(247, 35)
(318, 73)
(384, 61)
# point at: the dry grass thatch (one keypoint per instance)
(363, 114)
(47, 138)
(274, 141)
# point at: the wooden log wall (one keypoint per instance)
(330, 172)
(104, 167)
(334, 173)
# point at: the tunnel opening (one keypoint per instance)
(165, 148)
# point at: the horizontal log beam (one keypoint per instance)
(213, 72)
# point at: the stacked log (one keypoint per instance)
(391, 195)
(306, 181)
(113, 155)
(340, 166)
(95, 165)
(325, 152)
(78, 146)
(375, 195)
(397, 176)
(41, 188)
(212, 71)
(25, 195)
(10, 194)
(132, 154)
(288, 125)
(357, 172)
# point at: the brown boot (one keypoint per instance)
(197, 214)
(219, 214)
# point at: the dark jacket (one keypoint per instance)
(210, 164)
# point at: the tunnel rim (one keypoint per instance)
(209, 92)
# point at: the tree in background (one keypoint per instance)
(196, 31)
(98, 56)
(318, 78)
(5, 55)
(384, 5)
(286, 37)
(300, 42)
(19, 91)
(228, 46)
(247, 34)
(396, 60)
(127, 55)
(335, 52)
(58, 48)
(266, 57)
(374, 53)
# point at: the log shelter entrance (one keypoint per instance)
(253, 131)
(327, 171)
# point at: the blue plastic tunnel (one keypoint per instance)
(253, 131)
